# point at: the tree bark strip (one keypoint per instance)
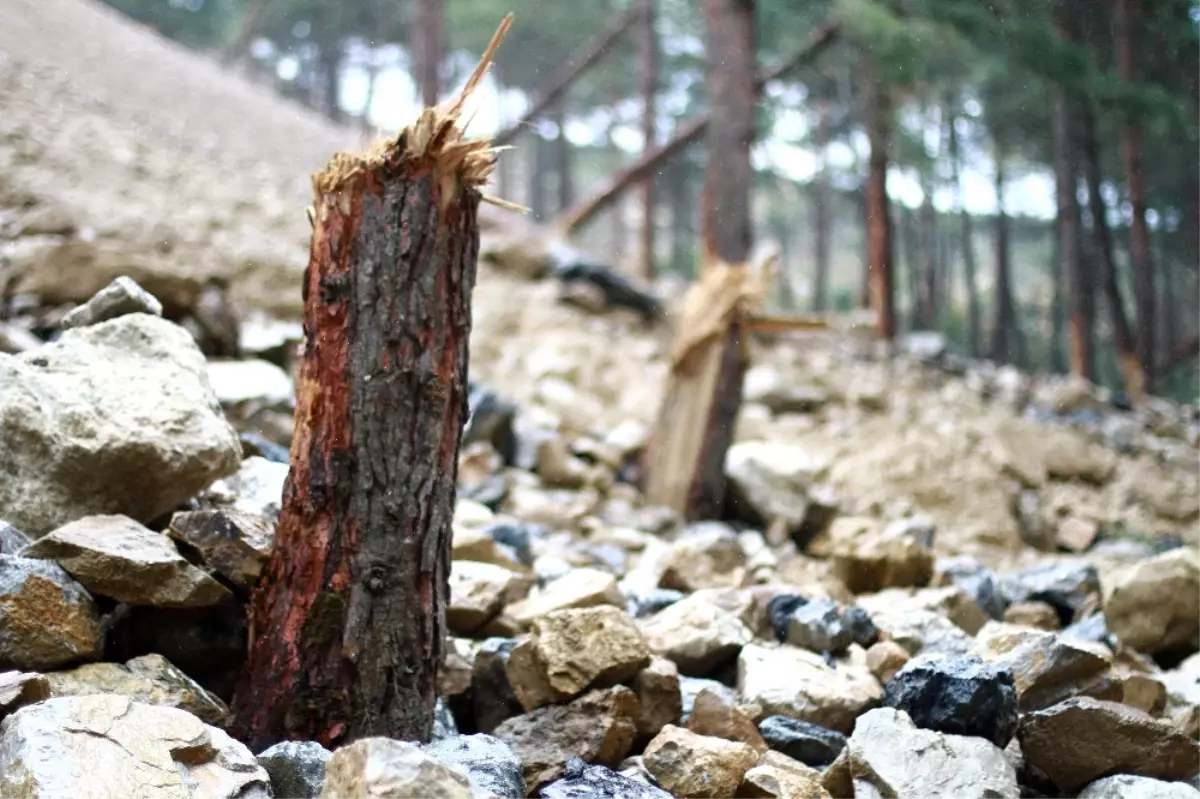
(1139, 234)
(648, 88)
(686, 134)
(879, 224)
(348, 619)
(685, 457)
(591, 53)
(1127, 359)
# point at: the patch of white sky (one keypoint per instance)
(394, 103)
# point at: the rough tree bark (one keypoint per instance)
(648, 88)
(1123, 339)
(1139, 234)
(348, 618)
(974, 336)
(685, 135)
(1080, 295)
(428, 39)
(1007, 342)
(822, 212)
(685, 457)
(879, 224)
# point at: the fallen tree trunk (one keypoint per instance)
(347, 622)
(687, 134)
(596, 49)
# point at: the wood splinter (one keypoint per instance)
(350, 610)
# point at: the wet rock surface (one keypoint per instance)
(47, 620)
(687, 764)
(581, 781)
(810, 744)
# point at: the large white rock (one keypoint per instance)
(117, 417)
(97, 747)
(383, 768)
(890, 756)
(773, 479)
(792, 682)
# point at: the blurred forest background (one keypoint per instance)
(1041, 156)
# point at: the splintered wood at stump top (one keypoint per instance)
(350, 611)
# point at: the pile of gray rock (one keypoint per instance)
(802, 647)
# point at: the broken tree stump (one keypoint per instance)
(347, 622)
(684, 460)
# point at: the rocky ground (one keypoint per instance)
(935, 577)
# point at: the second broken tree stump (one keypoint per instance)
(348, 620)
(684, 460)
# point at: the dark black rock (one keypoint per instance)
(492, 766)
(640, 604)
(779, 612)
(12, 540)
(255, 444)
(811, 744)
(1072, 589)
(296, 768)
(444, 725)
(817, 625)
(207, 644)
(490, 492)
(518, 536)
(490, 420)
(493, 696)
(581, 781)
(862, 630)
(979, 582)
(958, 696)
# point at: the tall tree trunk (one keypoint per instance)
(1127, 360)
(927, 300)
(685, 457)
(726, 211)
(428, 40)
(679, 196)
(908, 240)
(1079, 288)
(881, 274)
(974, 340)
(562, 161)
(349, 615)
(1139, 235)
(1008, 344)
(330, 56)
(647, 46)
(543, 164)
(822, 212)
